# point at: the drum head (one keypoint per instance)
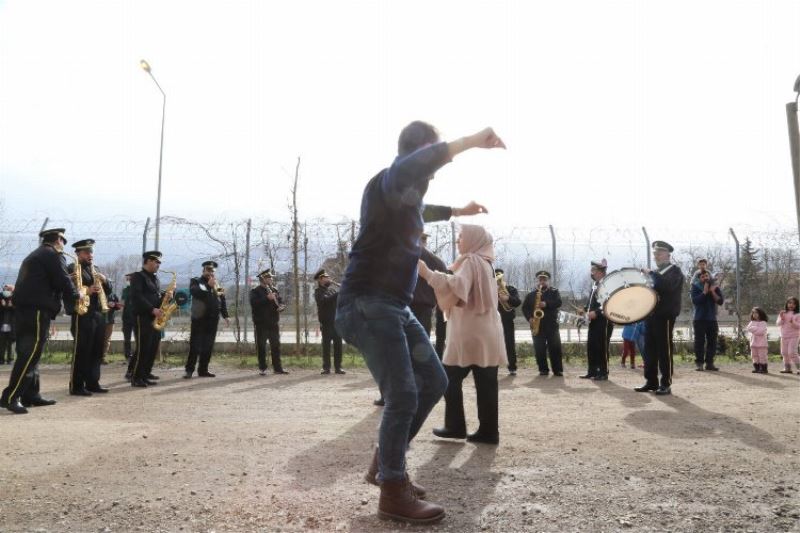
(630, 305)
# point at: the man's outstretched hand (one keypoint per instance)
(472, 208)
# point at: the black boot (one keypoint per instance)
(764, 369)
(756, 368)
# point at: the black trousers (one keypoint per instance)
(658, 347)
(271, 333)
(330, 336)
(147, 340)
(33, 327)
(89, 334)
(597, 346)
(6, 346)
(705, 341)
(548, 343)
(127, 332)
(441, 333)
(202, 335)
(487, 393)
(511, 344)
(424, 315)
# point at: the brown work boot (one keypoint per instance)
(399, 501)
(371, 477)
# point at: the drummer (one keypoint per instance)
(600, 328)
(668, 284)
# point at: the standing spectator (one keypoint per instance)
(508, 300)
(326, 295)
(547, 341)
(789, 321)
(629, 344)
(6, 325)
(758, 340)
(469, 297)
(706, 298)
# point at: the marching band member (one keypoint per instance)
(208, 303)
(326, 295)
(508, 300)
(600, 328)
(145, 297)
(266, 305)
(547, 342)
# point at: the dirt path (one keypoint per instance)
(287, 453)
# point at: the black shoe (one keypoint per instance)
(187, 375)
(712, 368)
(380, 402)
(128, 375)
(38, 402)
(512, 372)
(324, 372)
(149, 383)
(587, 376)
(101, 390)
(138, 383)
(340, 371)
(206, 375)
(698, 367)
(600, 377)
(450, 434)
(151, 377)
(544, 373)
(558, 374)
(485, 439)
(646, 388)
(280, 372)
(663, 391)
(80, 392)
(756, 369)
(16, 407)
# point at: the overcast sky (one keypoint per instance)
(629, 113)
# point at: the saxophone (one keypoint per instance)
(84, 300)
(101, 293)
(167, 307)
(538, 314)
(502, 289)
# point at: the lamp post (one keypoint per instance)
(146, 67)
(794, 147)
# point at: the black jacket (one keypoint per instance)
(513, 301)
(43, 282)
(87, 279)
(326, 298)
(145, 293)
(668, 284)
(265, 311)
(552, 299)
(206, 302)
(423, 293)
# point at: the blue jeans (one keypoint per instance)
(403, 363)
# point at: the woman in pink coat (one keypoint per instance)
(757, 327)
(789, 321)
(475, 344)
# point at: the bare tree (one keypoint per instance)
(295, 264)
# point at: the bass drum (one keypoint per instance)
(626, 295)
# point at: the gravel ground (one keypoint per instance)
(243, 452)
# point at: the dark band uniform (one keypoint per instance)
(88, 331)
(326, 298)
(145, 296)
(128, 321)
(41, 285)
(6, 329)
(266, 314)
(507, 318)
(547, 343)
(424, 300)
(668, 284)
(599, 335)
(207, 306)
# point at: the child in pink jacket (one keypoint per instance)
(789, 321)
(758, 339)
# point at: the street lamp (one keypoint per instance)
(794, 147)
(146, 67)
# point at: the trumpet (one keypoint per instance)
(84, 300)
(502, 288)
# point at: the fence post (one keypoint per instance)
(453, 242)
(144, 235)
(647, 246)
(553, 238)
(246, 274)
(794, 149)
(738, 314)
